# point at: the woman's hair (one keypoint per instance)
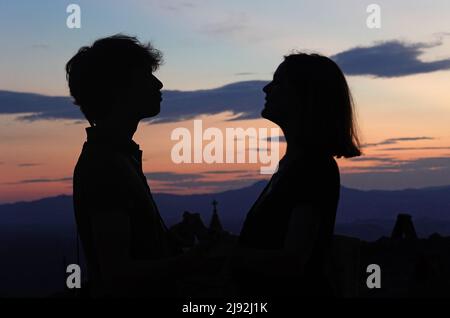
(99, 74)
(326, 110)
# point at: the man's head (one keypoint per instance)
(114, 77)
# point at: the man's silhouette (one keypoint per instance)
(128, 249)
(284, 245)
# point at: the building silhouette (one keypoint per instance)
(215, 225)
(404, 228)
(192, 230)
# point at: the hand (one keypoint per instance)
(238, 257)
(194, 258)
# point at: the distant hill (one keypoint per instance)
(36, 235)
(356, 207)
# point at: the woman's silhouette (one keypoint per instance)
(285, 243)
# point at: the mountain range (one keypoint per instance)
(38, 238)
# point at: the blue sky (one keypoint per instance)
(399, 76)
(206, 43)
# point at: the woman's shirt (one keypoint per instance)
(300, 180)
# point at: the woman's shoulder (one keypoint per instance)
(323, 166)
(309, 176)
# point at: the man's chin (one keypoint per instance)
(151, 114)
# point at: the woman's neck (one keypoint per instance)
(293, 144)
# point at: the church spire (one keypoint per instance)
(404, 228)
(215, 224)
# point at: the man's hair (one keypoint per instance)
(99, 74)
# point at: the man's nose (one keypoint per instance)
(157, 83)
(160, 84)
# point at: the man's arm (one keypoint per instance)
(111, 238)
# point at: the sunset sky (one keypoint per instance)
(399, 76)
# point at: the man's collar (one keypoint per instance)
(98, 137)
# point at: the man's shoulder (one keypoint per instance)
(101, 156)
(100, 163)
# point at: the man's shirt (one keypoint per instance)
(108, 177)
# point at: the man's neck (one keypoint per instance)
(120, 130)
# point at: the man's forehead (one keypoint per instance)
(280, 70)
(142, 70)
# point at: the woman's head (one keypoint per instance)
(310, 100)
